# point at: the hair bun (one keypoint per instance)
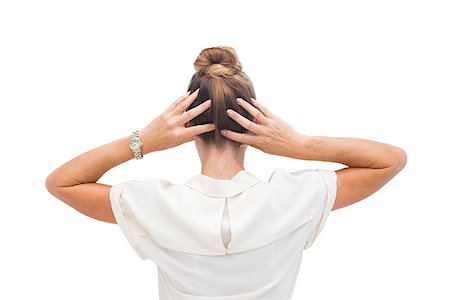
(218, 61)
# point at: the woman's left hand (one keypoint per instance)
(170, 129)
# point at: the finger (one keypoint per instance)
(262, 109)
(194, 112)
(198, 129)
(244, 122)
(184, 104)
(244, 138)
(178, 101)
(253, 111)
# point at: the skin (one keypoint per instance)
(220, 164)
(75, 182)
(370, 164)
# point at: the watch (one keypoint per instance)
(136, 145)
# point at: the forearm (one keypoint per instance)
(353, 152)
(91, 165)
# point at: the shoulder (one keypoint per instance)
(147, 183)
(312, 176)
(311, 184)
(142, 190)
(306, 176)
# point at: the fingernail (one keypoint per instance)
(208, 101)
(213, 126)
(223, 131)
(197, 90)
(229, 111)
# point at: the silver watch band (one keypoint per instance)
(135, 137)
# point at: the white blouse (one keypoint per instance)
(236, 239)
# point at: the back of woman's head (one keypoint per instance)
(220, 78)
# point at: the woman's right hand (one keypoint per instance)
(268, 132)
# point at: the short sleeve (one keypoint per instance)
(299, 201)
(156, 216)
(125, 218)
(323, 204)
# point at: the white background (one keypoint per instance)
(78, 74)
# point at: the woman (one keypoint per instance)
(225, 233)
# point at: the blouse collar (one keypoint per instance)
(221, 188)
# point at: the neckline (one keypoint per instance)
(222, 188)
(220, 179)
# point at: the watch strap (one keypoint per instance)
(137, 153)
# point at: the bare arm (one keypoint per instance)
(370, 164)
(75, 182)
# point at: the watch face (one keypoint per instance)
(135, 145)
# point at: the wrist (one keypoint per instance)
(146, 142)
(136, 145)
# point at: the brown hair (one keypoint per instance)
(220, 78)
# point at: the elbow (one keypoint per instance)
(400, 159)
(49, 185)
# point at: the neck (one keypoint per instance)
(222, 171)
(222, 165)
